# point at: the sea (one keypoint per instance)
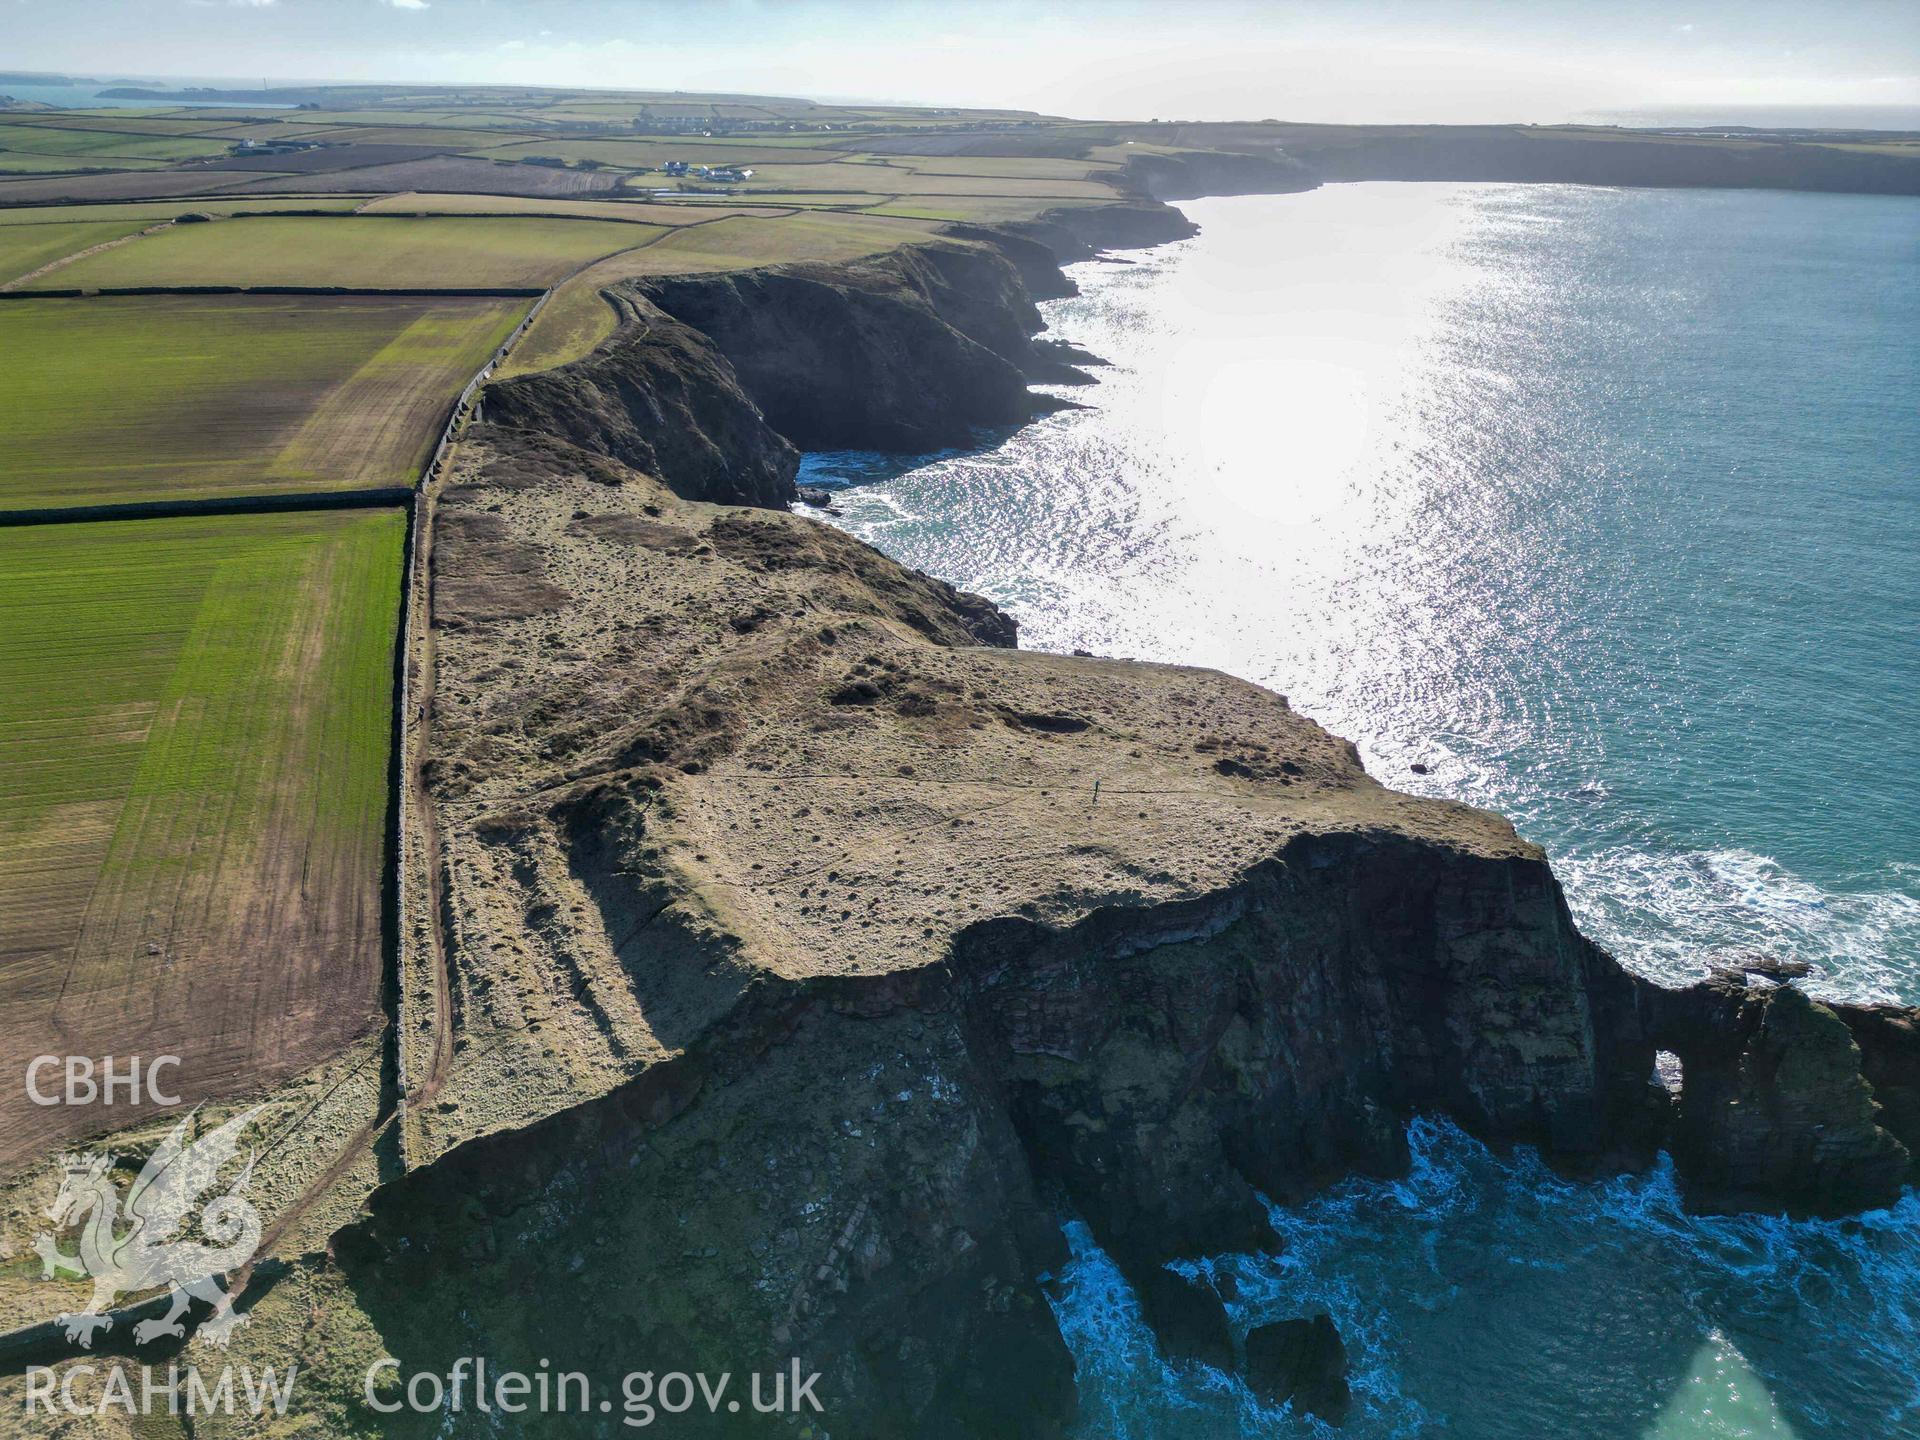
(79, 92)
(1600, 507)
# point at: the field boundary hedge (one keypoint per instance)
(367, 499)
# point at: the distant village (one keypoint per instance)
(723, 174)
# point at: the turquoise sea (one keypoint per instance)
(1604, 507)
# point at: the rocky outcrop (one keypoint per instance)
(1777, 1108)
(1302, 1363)
(1186, 1317)
(824, 1176)
(1169, 1068)
(658, 396)
(1889, 1041)
(712, 380)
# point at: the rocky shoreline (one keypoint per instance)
(814, 949)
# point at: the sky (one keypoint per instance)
(1390, 60)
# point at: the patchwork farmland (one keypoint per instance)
(390, 252)
(175, 397)
(194, 737)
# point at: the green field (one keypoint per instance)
(21, 162)
(386, 252)
(652, 153)
(105, 146)
(127, 122)
(118, 399)
(25, 248)
(971, 209)
(194, 733)
(635, 211)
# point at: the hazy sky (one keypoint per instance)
(1313, 60)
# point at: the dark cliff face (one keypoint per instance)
(1170, 1068)
(712, 380)
(1081, 232)
(1193, 173)
(826, 1176)
(908, 352)
(854, 1170)
(660, 397)
(1889, 1041)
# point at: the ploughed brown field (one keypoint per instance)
(194, 738)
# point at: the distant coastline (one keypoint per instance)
(1885, 119)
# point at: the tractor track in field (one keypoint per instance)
(65, 260)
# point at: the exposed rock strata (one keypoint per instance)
(711, 380)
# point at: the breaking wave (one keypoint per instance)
(1483, 1296)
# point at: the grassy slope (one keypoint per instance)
(388, 253)
(193, 752)
(155, 397)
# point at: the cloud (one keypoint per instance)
(406, 4)
(252, 4)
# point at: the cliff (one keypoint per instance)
(1527, 154)
(712, 380)
(1564, 155)
(661, 397)
(811, 949)
(907, 352)
(1189, 174)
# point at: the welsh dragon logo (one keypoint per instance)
(153, 1242)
